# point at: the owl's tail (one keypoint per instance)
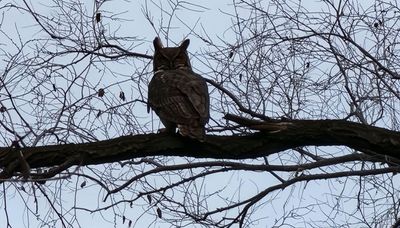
(194, 132)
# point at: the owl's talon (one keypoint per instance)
(162, 130)
(166, 131)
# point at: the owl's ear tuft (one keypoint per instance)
(157, 43)
(184, 45)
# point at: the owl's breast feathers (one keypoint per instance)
(180, 97)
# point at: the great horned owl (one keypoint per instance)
(177, 94)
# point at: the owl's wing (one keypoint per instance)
(180, 97)
(196, 91)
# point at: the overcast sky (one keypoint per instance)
(213, 16)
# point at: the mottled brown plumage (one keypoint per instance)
(177, 94)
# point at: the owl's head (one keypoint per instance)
(170, 58)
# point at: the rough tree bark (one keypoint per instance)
(273, 136)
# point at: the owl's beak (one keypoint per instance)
(171, 65)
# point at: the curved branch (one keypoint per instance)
(276, 136)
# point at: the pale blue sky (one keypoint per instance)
(216, 24)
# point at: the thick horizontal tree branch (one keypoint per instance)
(274, 136)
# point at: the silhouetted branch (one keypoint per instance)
(380, 143)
